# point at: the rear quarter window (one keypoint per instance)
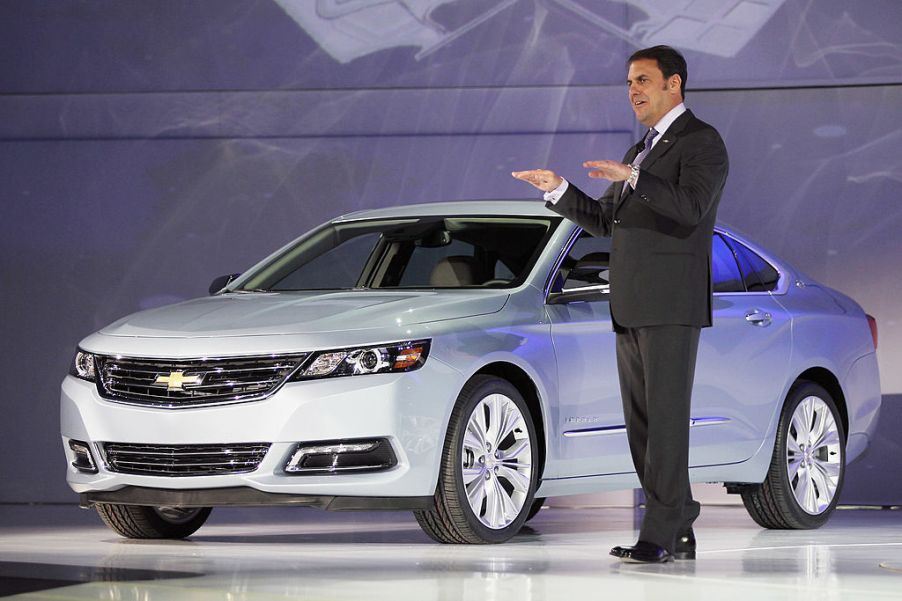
(757, 274)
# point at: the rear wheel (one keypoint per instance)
(139, 521)
(808, 464)
(488, 473)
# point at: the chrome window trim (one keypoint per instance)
(782, 275)
(565, 250)
(602, 288)
(782, 286)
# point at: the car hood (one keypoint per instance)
(274, 313)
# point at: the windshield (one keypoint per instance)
(428, 252)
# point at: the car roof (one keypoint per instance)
(478, 207)
(460, 207)
(516, 207)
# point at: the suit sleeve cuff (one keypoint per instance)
(555, 195)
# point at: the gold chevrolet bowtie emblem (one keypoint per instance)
(176, 380)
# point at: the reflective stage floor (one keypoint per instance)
(61, 552)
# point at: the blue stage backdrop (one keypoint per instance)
(146, 147)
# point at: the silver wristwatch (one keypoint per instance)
(634, 176)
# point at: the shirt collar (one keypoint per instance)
(668, 119)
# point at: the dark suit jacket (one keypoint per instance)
(660, 270)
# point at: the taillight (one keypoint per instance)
(873, 323)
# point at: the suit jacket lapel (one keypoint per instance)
(668, 139)
(666, 142)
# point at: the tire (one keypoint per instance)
(139, 521)
(536, 507)
(807, 468)
(501, 480)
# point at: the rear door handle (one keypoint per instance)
(758, 318)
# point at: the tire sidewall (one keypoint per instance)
(797, 394)
(467, 402)
(181, 528)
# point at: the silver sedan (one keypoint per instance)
(455, 359)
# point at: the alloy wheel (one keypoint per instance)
(495, 461)
(813, 455)
(177, 515)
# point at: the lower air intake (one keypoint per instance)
(184, 460)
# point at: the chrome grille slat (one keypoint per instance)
(184, 460)
(186, 464)
(222, 380)
(188, 368)
(234, 383)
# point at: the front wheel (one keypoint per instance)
(488, 473)
(536, 508)
(139, 521)
(806, 472)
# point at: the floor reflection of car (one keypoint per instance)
(457, 360)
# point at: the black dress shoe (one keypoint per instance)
(685, 546)
(643, 552)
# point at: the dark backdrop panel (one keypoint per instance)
(139, 46)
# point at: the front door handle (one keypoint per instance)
(758, 318)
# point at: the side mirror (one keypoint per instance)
(221, 282)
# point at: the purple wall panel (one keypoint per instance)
(326, 113)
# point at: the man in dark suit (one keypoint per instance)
(659, 211)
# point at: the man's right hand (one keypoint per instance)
(543, 179)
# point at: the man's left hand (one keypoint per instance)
(610, 170)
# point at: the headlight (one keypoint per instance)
(83, 366)
(399, 357)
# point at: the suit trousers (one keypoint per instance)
(656, 366)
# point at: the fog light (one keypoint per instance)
(84, 461)
(329, 457)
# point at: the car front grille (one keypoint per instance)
(184, 460)
(181, 383)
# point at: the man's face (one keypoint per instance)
(651, 96)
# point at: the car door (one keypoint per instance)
(588, 425)
(742, 360)
(740, 373)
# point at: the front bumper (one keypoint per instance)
(246, 497)
(410, 410)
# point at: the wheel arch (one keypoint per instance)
(826, 378)
(526, 387)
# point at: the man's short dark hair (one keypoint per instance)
(670, 62)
